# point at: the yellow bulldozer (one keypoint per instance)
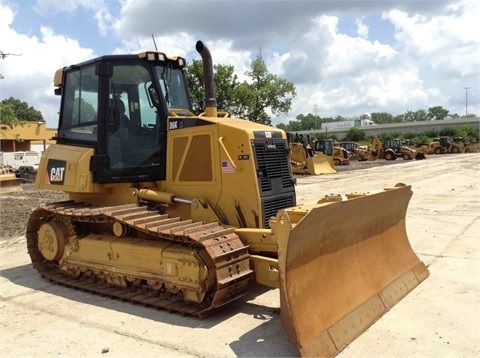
(185, 212)
(305, 160)
(303, 163)
(9, 183)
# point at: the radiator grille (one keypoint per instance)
(272, 164)
(274, 176)
(272, 205)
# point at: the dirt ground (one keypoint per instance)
(16, 208)
(439, 318)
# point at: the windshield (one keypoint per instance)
(174, 89)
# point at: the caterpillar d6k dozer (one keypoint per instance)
(184, 212)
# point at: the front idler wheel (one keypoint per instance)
(51, 240)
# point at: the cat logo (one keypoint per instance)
(56, 171)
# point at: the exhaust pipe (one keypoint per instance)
(210, 101)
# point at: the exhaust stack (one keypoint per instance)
(210, 101)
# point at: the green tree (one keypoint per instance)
(194, 74)
(265, 95)
(24, 112)
(437, 113)
(225, 84)
(382, 117)
(420, 139)
(309, 121)
(472, 133)
(293, 126)
(420, 115)
(448, 131)
(7, 115)
(355, 134)
(257, 100)
(409, 116)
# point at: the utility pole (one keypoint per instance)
(315, 110)
(466, 100)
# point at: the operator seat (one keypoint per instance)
(117, 107)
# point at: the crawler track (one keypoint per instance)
(229, 257)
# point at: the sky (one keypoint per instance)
(345, 58)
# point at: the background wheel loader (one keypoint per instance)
(184, 212)
(444, 145)
(388, 150)
(394, 148)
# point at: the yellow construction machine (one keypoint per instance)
(394, 148)
(350, 148)
(185, 212)
(446, 144)
(9, 182)
(309, 161)
(339, 155)
(388, 150)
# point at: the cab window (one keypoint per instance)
(79, 115)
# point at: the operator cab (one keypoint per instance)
(324, 146)
(119, 106)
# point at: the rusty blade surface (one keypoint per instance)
(342, 266)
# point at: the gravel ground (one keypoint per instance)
(16, 208)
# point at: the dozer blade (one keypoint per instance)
(320, 164)
(343, 265)
(9, 183)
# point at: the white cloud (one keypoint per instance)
(29, 77)
(362, 29)
(47, 8)
(432, 57)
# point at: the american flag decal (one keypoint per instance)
(227, 167)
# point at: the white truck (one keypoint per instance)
(364, 120)
(21, 162)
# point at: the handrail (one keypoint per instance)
(220, 140)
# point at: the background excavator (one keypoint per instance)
(185, 212)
